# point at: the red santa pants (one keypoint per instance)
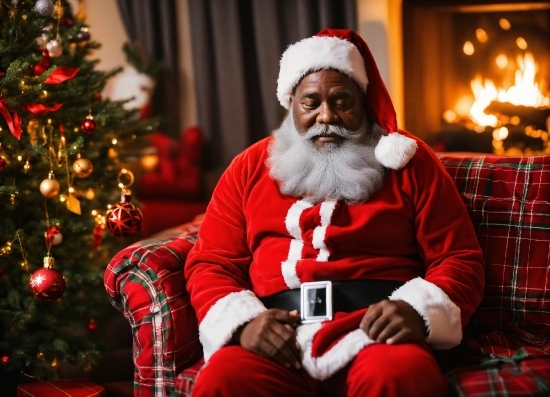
(405, 370)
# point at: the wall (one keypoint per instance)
(379, 23)
(106, 27)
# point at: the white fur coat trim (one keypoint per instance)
(395, 150)
(336, 358)
(317, 53)
(441, 315)
(224, 317)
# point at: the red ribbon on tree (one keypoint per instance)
(14, 123)
(39, 109)
(61, 74)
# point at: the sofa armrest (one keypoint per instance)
(145, 282)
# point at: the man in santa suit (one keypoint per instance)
(336, 253)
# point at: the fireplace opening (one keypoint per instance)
(477, 77)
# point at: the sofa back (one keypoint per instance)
(508, 200)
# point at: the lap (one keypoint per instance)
(379, 369)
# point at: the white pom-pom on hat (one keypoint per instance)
(345, 51)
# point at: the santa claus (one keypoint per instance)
(336, 253)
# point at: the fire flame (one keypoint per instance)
(524, 92)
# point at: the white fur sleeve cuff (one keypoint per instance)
(440, 314)
(224, 317)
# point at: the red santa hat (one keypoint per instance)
(345, 51)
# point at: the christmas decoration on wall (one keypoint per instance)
(47, 283)
(124, 219)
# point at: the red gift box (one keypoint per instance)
(61, 388)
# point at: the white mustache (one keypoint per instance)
(331, 129)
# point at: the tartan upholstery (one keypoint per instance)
(145, 282)
(507, 339)
(508, 200)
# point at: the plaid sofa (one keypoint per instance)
(506, 346)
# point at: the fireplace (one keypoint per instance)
(477, 75)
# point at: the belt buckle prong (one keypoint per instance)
(316, 301)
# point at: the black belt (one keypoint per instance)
(347, 296)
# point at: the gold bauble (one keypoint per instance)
(50, 187)
(83, 167)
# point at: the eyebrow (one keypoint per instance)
(337, 95)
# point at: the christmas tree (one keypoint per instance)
(62, 182)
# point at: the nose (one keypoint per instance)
(326, 114)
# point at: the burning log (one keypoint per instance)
(536, 117)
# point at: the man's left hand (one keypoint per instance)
(393, 322)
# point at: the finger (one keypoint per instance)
(284, 341)
(370, 317)
(377, 327)
(389, 331)
(292, 318)
(402, 336)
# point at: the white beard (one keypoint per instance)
(348, 171)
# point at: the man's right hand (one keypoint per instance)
(272, 335)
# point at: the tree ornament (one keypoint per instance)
(124, 219)
(50, 187)
(92, 325)
(3, 163)
(27, 166)
(53, 236)
(89, 125)
(54, 48)
(82, 167)
(47, 283)
(6, 359)
(44, 63)
(83, 34)
(44, 7)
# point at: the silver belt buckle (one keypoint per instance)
(316, 301)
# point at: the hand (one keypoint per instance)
(272, 335)
(393, 322)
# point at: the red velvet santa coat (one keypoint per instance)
(255, 241)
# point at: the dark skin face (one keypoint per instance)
(327, 97)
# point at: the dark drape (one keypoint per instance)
(153, 24)
(237, 45)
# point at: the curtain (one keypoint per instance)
(153, 24)
(236, 48)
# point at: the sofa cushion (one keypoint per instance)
(508, 200)
(503, 376)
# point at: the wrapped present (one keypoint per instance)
(61, 388)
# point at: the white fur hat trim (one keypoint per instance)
(317, 53)
(395, 150)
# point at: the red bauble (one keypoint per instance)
(53, 236)
(124, 219)
(89, 125)
(6, 359)
(3, 164)
(92, 325)
(47, 284)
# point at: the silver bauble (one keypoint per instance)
(44, 7)
(54, 48)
